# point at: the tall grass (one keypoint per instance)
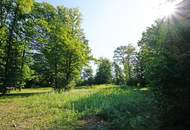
(119, 109)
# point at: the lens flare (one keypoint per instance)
(167, 9)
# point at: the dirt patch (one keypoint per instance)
(92, 123)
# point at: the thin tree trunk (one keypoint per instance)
(21, 70)
(55, 71)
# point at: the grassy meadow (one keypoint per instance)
(103, 107)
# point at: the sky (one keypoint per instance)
(111, 23)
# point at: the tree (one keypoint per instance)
(12, 24)
(42, 76)
(139, 70)
(124, 56)
(67, 50)
(165, 53)
(119, 78)
(103, 74)
(40, 42)
(3, 36)
(87, 76)
(42, 17)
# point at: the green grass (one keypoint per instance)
(104, 107)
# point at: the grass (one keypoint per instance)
(103, 107)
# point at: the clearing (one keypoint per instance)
(103, 107)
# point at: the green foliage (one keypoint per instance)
(104, 72)
(164, 50)
(27, 73)
(3, 36)
(87, 76)
(42, 76)
(66, 51)
(124, 55)
(139, 78)
(14, 39)
(119, 78)
(25, 6)
(40, 35)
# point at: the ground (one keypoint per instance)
(103, 107)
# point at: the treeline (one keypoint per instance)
(40, 45)
(124, 69)
(165, 58)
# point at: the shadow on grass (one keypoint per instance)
(101, 86)
(120, 109)
(21, 95)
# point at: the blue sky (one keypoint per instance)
(111, 23)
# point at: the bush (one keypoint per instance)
(70, 85)
(132, 82)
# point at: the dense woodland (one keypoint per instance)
(45, 46)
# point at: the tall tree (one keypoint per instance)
(67, 50)
(124, 56)
(13, 17)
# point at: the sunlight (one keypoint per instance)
(167, 9)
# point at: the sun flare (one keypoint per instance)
(167, 9)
